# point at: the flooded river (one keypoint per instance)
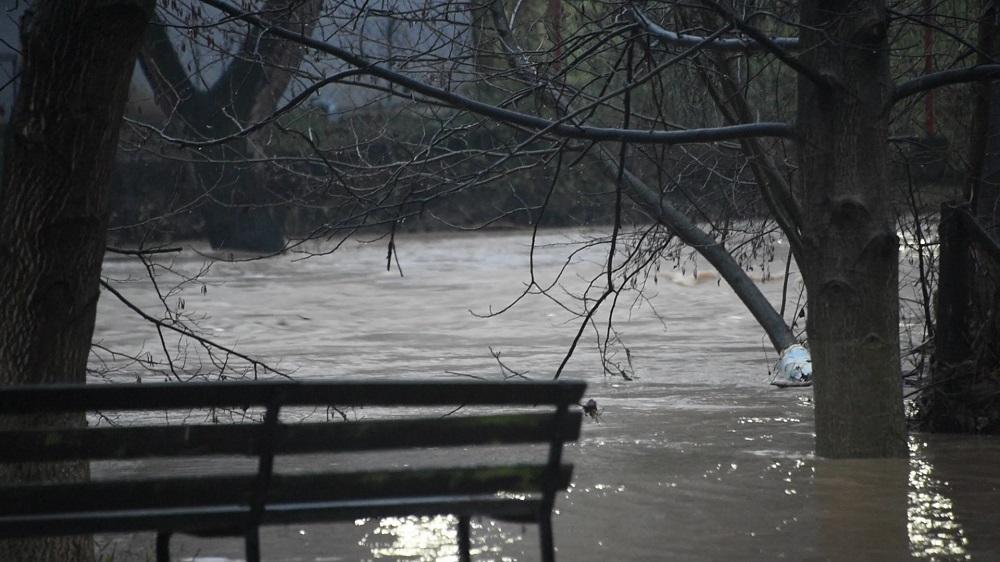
(696, 458)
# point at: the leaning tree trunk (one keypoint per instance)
(850, 248)
(661, 209)
(58, 154)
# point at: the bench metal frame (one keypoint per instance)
(234, 505)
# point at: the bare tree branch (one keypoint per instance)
(249, 85)
(141, 252)
(188, 333)
(459, 101)
(946, 78)
(265, 120)
(173, 90)
(776, 190)
(769, 44)
(731, 44)
(661, 210)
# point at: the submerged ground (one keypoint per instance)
(697, 458)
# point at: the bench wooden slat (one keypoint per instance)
(156, 396)
(238, 503)
(243, 439)
(230, 520)
(291, 488)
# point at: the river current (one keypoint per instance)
(695, 458)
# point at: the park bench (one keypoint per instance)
(238, 504)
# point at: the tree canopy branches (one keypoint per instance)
(712, 134)
(731, 44)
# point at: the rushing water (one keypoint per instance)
(697, 458)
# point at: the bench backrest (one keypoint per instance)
(177, 502)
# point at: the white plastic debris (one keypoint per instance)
(794, 367)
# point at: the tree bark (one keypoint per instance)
(58, 156)
(850, 248)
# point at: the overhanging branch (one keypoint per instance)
(946, 78)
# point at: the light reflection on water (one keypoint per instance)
(931, 524)
(433, 539)
(932, 529)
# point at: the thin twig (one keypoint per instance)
(202, 340)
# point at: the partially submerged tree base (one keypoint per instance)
(851, 252)
(963, 395)
(973, 406)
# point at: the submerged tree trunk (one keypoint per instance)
(942, 404)
(850, 248)
(965, 372)
(58, 155)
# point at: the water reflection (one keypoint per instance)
(932, 527)
(863, 507)
(887, 509)
(433, 539)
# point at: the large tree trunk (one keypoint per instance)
(58, 154)
(850, 248)
(243, 210)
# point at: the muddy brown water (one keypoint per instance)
(697, 458)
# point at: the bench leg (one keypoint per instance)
(253, 544)
(163, 546)
(463, 539)
(545, 537)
